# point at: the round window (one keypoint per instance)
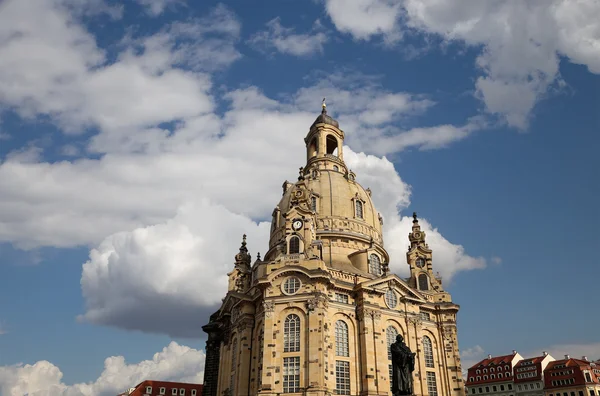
(291, 285)
(391, 299)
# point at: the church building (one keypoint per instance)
(318, 313)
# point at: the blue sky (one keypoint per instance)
(139, 141)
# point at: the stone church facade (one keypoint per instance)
(317, 314)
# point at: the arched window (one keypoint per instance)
(499, 375)
(341, 338)
(390, 336)
(313, 204)
(485, 370)
(492, 370)
(428, 351)
(291, 333)
(294, 245)
(313, 148)
(423, 282)
(499, 368)
(374, 265)
(492, 376)
(331, 145)
(359, 209)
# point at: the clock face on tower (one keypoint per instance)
(420, 262)
(297, 224)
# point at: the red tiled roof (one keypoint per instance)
(568, 362)
(494, 361)
(534, 360)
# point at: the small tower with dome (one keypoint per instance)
(316, 315)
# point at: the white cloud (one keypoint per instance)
(165, 207)
(521, 42)
(157, 7)
(54, 68)
(174, 363)
(177, 269)
(284, 39)
(365, 18)
(469, 357)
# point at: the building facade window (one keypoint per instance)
(428, 351)
(193, 392)
(390, 336)
(313, 203)
(291, 285)
(181, 392)
(425, 316)
(162, 391)
(342, 377)
(174, 392)
(291, 374)
(341, 339)
(588, 377)
(391, 299)
(375, 265)
(294, 245)
(291, 333)
(431, 384)
(359, 209)
(148, 389)
(343, 298)
(424, 285)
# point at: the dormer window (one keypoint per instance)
(424, 285)
(294, 245)
(336, 168)
(374, 265)
(359, 209)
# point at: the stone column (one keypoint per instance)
(316, 364)
(368, 353)
(213, 357)
(245, 328)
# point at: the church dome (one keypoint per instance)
(342, 217)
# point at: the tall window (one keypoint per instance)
(359, 209)
(431, 384)
(428, 350)
(291, 374)
(233, 364)
(342, 377)
(313, 204)
(390, 336)
(341, 339)
(423, 282)
(291, 334)
(294, 245)
(374, 265)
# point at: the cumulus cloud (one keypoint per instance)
(64, 75)
(284, 39)
(174, 184)
(520, 43)
(174, 363)
(177, 269)
(469, 357)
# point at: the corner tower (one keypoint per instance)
(317, 314)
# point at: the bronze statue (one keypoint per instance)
(403, 364)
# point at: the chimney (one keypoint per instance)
(584, 358)
(545, 353)
(514, 352)
(567, 357)
(489, 356)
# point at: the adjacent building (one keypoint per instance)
(317, 314)
(493, 376)
(529, 375)
(572, 377)
(152, 388)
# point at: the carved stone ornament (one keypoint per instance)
(415, 321)
(268, 308)
(318, 301)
